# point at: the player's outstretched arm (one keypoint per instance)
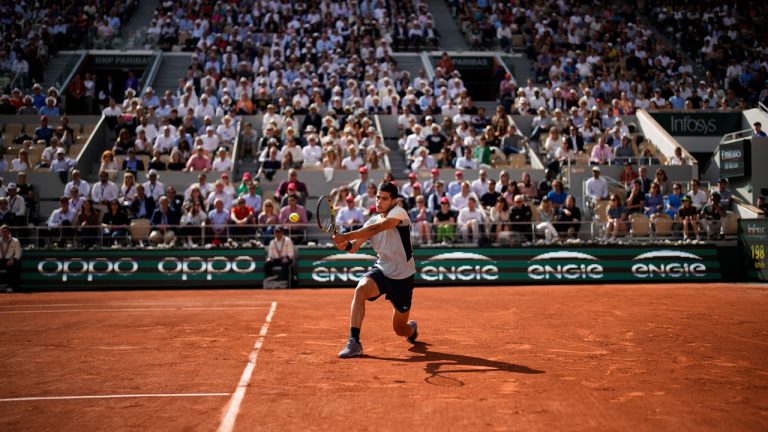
(366, 232)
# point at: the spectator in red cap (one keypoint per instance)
(350, 217)
(359, 185)
(429, 185)
(295, 229)
(407, 189)
(444, 221)
(454, 187)
(293, 177)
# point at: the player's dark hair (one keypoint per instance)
(389, 187)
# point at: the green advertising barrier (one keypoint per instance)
(323, 267)
(53, 269)
(753, 238)
(319, 267)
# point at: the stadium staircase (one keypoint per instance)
(172, 67)
(57, 64)
(451, 38)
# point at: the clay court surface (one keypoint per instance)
(631, 357)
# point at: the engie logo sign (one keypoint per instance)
(342, 267)
(565, 265)
(665, 264)
(459, 266)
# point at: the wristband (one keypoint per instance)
(348, 247)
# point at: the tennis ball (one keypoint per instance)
(294, 217)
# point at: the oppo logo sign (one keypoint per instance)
(477, 268)
(577, 266)
(675, 264)
(193, 266)
(77, 267)
(692, 125)
(341, 267)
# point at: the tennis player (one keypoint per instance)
(392, 275)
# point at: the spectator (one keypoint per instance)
(16, 205)
(104, 191)
(674, 200)
(10, 257)
(7, 217)
(222, 162)
(153, 186)
(280, 253)
(654, 202)
(350, 217)
(44, 132)
(141, 205)
(725, 194)
(192, 222)
(698, 196)
(219, 222)
(299, 186)
(499, 219)
(444, 221)
(87, 223)
(713, 216)
(114, 223)
(353, 162)
(421, 220)
(687, 215)
(157, 163)
(635, 202)
(546, 217)
(557, 195)
(624, 152)
(131, 164)
(629, 175)
(76, 201)
(489, 198)
(293, 206)
(596, 187)
(520, 217)
(568, 218)
(219, 192)
(62, 164)
(199, 161)
(678, 159)
(61, 221)
(242, 217)
(528, 188)
(470, 220)
(601, 153)
(22, 162)
(758, 130)
(616, 216)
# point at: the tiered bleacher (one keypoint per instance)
(310, 96)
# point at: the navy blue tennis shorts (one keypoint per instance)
(397, 291)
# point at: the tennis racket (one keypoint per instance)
(326, 217)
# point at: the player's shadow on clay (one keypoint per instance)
(438, 364)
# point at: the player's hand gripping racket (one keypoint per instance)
(326, 217)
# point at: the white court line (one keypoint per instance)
(228, 420)
(116, 396)
(138, 304)
(130, 309)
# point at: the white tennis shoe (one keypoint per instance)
(353, 349)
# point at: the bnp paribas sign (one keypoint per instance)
(698, 123)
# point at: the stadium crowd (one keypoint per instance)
(610, 51)
(317, 79)
(33, 31)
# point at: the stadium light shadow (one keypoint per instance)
(436, 360)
